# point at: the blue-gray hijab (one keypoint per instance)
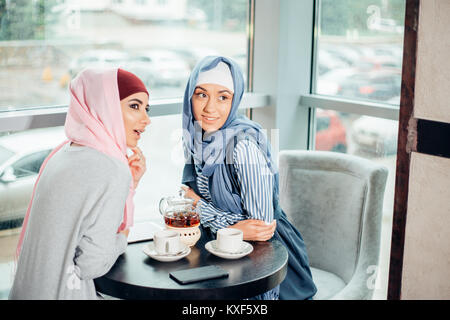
(211, 154)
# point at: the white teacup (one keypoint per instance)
(229, 240)
(167, 242)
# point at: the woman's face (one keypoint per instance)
(211, 105)
(135, 118)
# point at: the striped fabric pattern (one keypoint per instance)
(256, 182)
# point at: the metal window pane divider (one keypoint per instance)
(373, 109)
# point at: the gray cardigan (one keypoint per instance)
(72, 236)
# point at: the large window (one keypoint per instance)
(44, 44)
(357, 74)
(359, 49)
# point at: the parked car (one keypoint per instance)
(159, 68)
(328, 62)
(330, 132)
(346, 53)
(98, 58)
(379, 63)
(193, 54)
(375, 135)
(380, 85)
(21, 157)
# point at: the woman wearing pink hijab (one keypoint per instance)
(81, 209)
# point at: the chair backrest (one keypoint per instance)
(335, 200)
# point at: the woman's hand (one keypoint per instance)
(256, 230)
(137, 165)
(189, 193)
(125, 232)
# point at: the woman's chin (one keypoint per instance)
(131, 144)
(209, 128)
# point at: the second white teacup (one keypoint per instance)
(167, 242)
(229, 240)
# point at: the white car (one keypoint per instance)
(194, 54)
(159, 68)
(101, 58)
(375, 135)
(21, 156)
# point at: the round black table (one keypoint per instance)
(137, 276)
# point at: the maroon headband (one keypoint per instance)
(129, 84)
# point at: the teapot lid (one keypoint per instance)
(180, 199)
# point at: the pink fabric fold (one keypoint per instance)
(94, 119)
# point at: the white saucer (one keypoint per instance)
(246, 249)
(150, 251)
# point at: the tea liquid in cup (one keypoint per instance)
(229, 240)
(167, 242)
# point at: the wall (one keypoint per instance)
(282, 65)
(426, 259)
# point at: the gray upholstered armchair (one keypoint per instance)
(336, 202)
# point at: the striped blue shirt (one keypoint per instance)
(256, 183)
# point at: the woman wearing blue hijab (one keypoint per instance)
(230, 173)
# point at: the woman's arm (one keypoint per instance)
(216, 219)
(256, 182)
(211, 216)
(101, 245)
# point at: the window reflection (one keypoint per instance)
(359, 49)
(44, 44)
(364, 136)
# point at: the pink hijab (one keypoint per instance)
(94, 119)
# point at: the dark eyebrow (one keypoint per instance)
(136, 100)
(198, 87)
(222, 91)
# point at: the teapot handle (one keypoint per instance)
(162, 206)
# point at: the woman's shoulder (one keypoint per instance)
(245, 149)
(89, 162)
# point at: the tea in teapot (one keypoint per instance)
(180, 219)
(181, 214)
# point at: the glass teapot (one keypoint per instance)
(179, 212)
